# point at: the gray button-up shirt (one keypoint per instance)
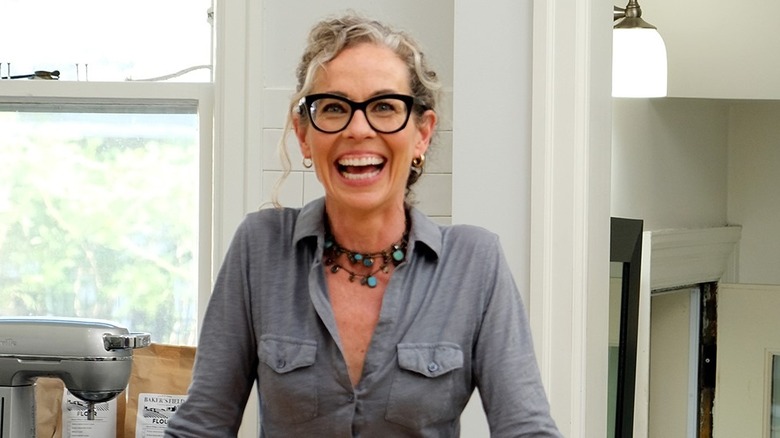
(451, 320)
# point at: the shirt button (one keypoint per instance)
(280, 363)
(351, 398)
(433, 367)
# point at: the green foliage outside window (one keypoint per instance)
(99, 219)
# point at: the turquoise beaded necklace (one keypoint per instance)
(393, 255)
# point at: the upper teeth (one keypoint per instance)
(361, 161)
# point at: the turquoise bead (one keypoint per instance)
(398, 255)
(371, 281)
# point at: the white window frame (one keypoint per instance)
(153, 94)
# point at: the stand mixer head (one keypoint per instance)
(92, 357)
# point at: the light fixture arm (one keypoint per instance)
(632, 10)
(631, 16)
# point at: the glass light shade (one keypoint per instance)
(638, 63)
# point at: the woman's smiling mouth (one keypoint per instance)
(360, 168)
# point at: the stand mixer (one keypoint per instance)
(93, 358)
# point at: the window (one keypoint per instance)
(99, 215)
(106, 193)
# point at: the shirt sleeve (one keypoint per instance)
(506, 370)
(226, 359)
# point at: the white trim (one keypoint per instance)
(642, 383)
(105, 91)
(206, 198)
(230, 125)
(693, 363)
(684, 257)
(235, 162)
(570, 208)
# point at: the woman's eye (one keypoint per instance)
(385, 106)
(333, 108)
(329, 107)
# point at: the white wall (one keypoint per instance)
(669, 161)
(754, 188)
(492, 160)
(719, 49)
(699, 163)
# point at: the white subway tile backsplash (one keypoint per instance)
(312, 189)
(275, 102)
(271, 159)
(438, 159)
(290, 192)
(433, 194)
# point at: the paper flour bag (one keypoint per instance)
(158, 385)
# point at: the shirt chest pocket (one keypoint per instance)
(422, 392)
(288, 391)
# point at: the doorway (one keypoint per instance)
(748, 345)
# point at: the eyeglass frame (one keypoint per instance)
(306, 102)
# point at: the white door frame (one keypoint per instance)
(570, 208)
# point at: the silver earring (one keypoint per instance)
(307, 163)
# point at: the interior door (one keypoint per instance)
(748, 340)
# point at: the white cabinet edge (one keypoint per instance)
(685, 257)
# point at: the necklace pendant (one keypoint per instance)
(371, 281)
(398, 255)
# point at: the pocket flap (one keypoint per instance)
(430, 360)
(284, 354)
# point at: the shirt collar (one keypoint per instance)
(424, 231)
(309, 222)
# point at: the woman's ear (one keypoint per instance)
(300, 133)
(425, 127)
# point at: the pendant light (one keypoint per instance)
(638, 55)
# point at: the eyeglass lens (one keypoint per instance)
(385, 114)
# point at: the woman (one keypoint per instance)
(357, 315)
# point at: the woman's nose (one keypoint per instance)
(359, 126)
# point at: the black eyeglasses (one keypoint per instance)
(331, 113)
